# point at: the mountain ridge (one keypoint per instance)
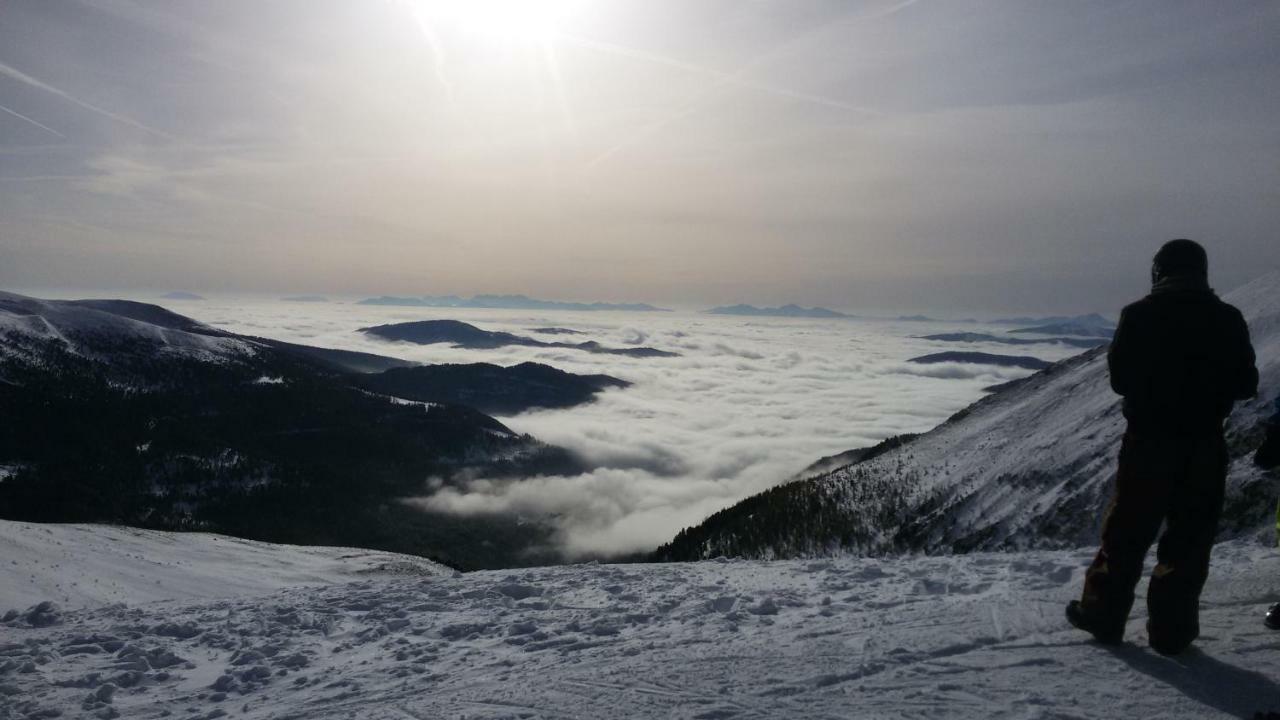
(465, 335)
(112, 411)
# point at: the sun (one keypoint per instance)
(507, 21)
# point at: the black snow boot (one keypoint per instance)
(1166, 644)
(1273, 617)
(1079, 619)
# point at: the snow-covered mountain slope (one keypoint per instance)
(123, 412)
(972, 636)
(83, 325)
(1028, 466)
(87, 566)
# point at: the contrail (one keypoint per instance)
(736, 78)
(42, 126)
(33, 82)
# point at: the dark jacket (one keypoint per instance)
(1180, 358)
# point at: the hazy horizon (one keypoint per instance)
(190, 306)
(978, 158)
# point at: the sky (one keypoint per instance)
(960, 157)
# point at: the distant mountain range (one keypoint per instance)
(1093, 319)
(507, 302)
(556, 331)
(981, 358)
(181, 295)
(795, 311)
(1029, 466)
(125, 412)
(306, 298)
(464, 335)
(1105, 329)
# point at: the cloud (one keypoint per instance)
(956, 371)
(735, 170)
(746, 406)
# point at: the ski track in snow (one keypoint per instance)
(973, 636)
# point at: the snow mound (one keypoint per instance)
(86, 566)
(974, 636)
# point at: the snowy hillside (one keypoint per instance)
(1029, 466)
(973, 636)
(86, 566)
(124, 412)
(83, 325)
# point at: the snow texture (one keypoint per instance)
(84, 566)
(972, 636)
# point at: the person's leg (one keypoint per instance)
(1133, 518)
(1173, 598)
(1272, 618)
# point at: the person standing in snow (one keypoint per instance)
(1180, 358)
(1267, 458)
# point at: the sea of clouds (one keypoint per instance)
(749, 403)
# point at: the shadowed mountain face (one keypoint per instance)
(1029, 466)
(464, 335)
(981, 358)
(491, 388)
(125, 412)
(150, 314)
(556, 331)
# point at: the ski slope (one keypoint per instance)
(86, 566)
(973, 636)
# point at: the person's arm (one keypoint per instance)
(1120, 359)
(1244, 372)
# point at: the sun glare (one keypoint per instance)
(507, 21)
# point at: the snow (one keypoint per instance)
(86, 566)
(972, 636)
(64, 322)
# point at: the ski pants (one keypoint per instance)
(1174, 478)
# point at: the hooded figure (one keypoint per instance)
(1180, 358)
